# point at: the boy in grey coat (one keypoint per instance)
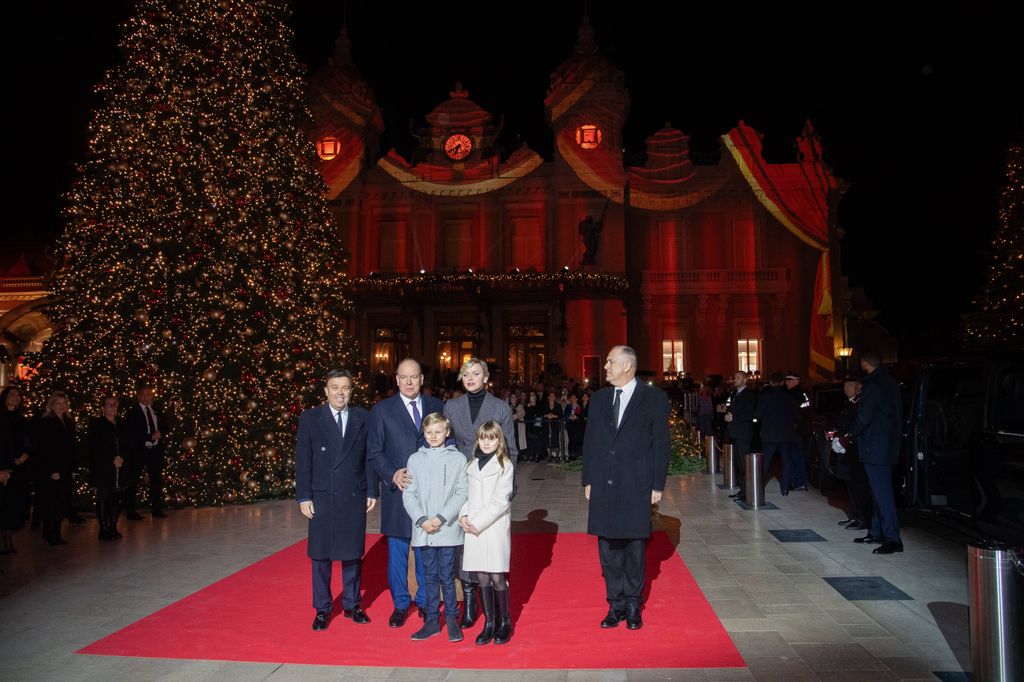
(438, 490)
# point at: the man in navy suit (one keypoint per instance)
(878, 430)
(335, 490)
(626, 453)
(395, 433)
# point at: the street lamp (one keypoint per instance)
(844, 352)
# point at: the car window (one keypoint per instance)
(1008, 400)
(829, 400)
(953, 406)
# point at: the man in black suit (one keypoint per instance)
(878, 430)
(777, 413)
(335, 490)
(395, 433)
(739, 426)
(145, 431)
(626, 453)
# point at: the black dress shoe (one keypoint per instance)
(867, 540)
(737, 495)
(398, 617)
(843, 523)
(784, 492)
(633, 619)
(321, 620)
(801, 488)
(888, 548)
(134, 516)
(159, 514)
(357, 615)
(856, 525)
(612, 619)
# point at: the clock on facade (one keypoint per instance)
(458, 146)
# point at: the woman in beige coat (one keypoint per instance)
(486, 519)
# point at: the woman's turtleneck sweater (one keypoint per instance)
(476, 399)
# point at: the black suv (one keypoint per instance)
(963, 442)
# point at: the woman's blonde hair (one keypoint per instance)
(52, 400)
(491, 429)
(437, 418)
(474, 361)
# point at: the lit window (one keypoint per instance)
(328, 148)
(588, 136)
(749, 355)
(672, 356)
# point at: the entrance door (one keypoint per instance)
(527, 351)
(456, 344)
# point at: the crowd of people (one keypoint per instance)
(865, 438)
(38, 458)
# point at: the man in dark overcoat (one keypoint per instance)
(395, 433)
(739, 426)
(878, 429)
(335, 490)
(626, 452)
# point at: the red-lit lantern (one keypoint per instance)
(588, 136)
(328, 148)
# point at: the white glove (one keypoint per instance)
(837, 447)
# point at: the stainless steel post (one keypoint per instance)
(994, 575)
(754, 489)
(711, 454)
(729, 468)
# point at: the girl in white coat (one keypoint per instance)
(486, 519)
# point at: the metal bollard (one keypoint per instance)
(994, 575)
(729, 468)
(754, 489)
(709, 451)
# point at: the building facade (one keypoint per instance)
(540, 266)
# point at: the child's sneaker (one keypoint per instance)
(428, 630)
(454, 631)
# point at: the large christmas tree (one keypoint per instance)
(998, 321)
(199, 253)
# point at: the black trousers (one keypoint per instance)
(439, 574)
(351, 572)
(153, 464)
(740, 450)
(623, 562)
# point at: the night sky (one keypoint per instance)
(915, 106)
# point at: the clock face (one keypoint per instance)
(458, 147)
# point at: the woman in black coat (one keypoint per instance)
(106, 471)
(55, 448)
(14, 474)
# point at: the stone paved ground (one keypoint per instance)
(786, 621)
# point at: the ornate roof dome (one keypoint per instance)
(586, 64)
(340, 82)
(459, 112)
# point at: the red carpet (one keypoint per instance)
(262, 613)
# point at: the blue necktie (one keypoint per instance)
(416, 419)
(341, 425)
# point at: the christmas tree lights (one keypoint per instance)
(199, 253)
(998, 319)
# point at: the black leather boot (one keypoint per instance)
(469, 612)
(487, 602)
(502, 617)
